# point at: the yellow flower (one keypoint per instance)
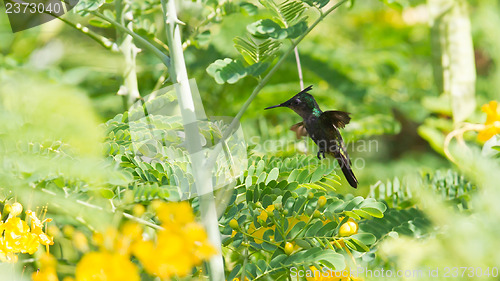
(45, 275)
(8, 257)
(48, 269)
(350, 227)
(264, 214)
(181, 245)
(106, 266)
(492, 124)
(138, 210)
(17, 237)
(15, 209)
(259, 232)
(37, 228)
(80, 241)
(175, 213)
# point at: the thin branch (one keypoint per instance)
(213, 156)
(105, 42)
(143, 42)
(299, 68)
(458, 134)
(128, 216)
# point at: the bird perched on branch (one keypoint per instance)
(323, 128)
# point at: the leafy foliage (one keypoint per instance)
(272, 211)
(409, 222)
(452, 187)
(265, 39)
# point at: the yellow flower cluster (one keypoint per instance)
(48, 271)
(180, 245)
(492, 124)
(258, 233)
(112, 261)
(106, 266)
(19, 237)
(347, 229)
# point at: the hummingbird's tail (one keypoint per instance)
(346, 169)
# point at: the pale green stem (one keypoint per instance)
(129, 51)
(203, 182)
(139, 39)
(299, 68)
(105, 42)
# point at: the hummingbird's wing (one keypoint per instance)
(299, 129)
(331, 121)
(337, 118)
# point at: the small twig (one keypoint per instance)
(139, 220)
(245, 253)
(143, 42)
(299, 67)
(128, 216)
(458, 134)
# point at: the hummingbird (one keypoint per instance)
(323, 128)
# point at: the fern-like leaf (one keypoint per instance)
(254, 52)
(287, 13)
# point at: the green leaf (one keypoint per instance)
(266, 201)
(318, 174)
(316, 3)
(329, 258)
(366, 238)
(269, 29)
(273, 175)
(85, 6)
(261, 165)
(352, 215)
(327, 229)
(106, 193)
(296, 229)
(203, 38)
(250, 8)
(234, 272)
(296, 30)
(258, 68)
(394, 4)
(293, 175)
(313, 230)
(254, 50)
(303, 243)
(97, 22)
(357, 245)
(374, 212)
(122, 178)
(227, 71)
(266, 29)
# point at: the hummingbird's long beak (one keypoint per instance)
(274, 106)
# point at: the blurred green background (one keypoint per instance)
(371, 59)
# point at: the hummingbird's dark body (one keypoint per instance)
(323, 128)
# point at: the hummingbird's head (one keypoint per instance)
(302, 103)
